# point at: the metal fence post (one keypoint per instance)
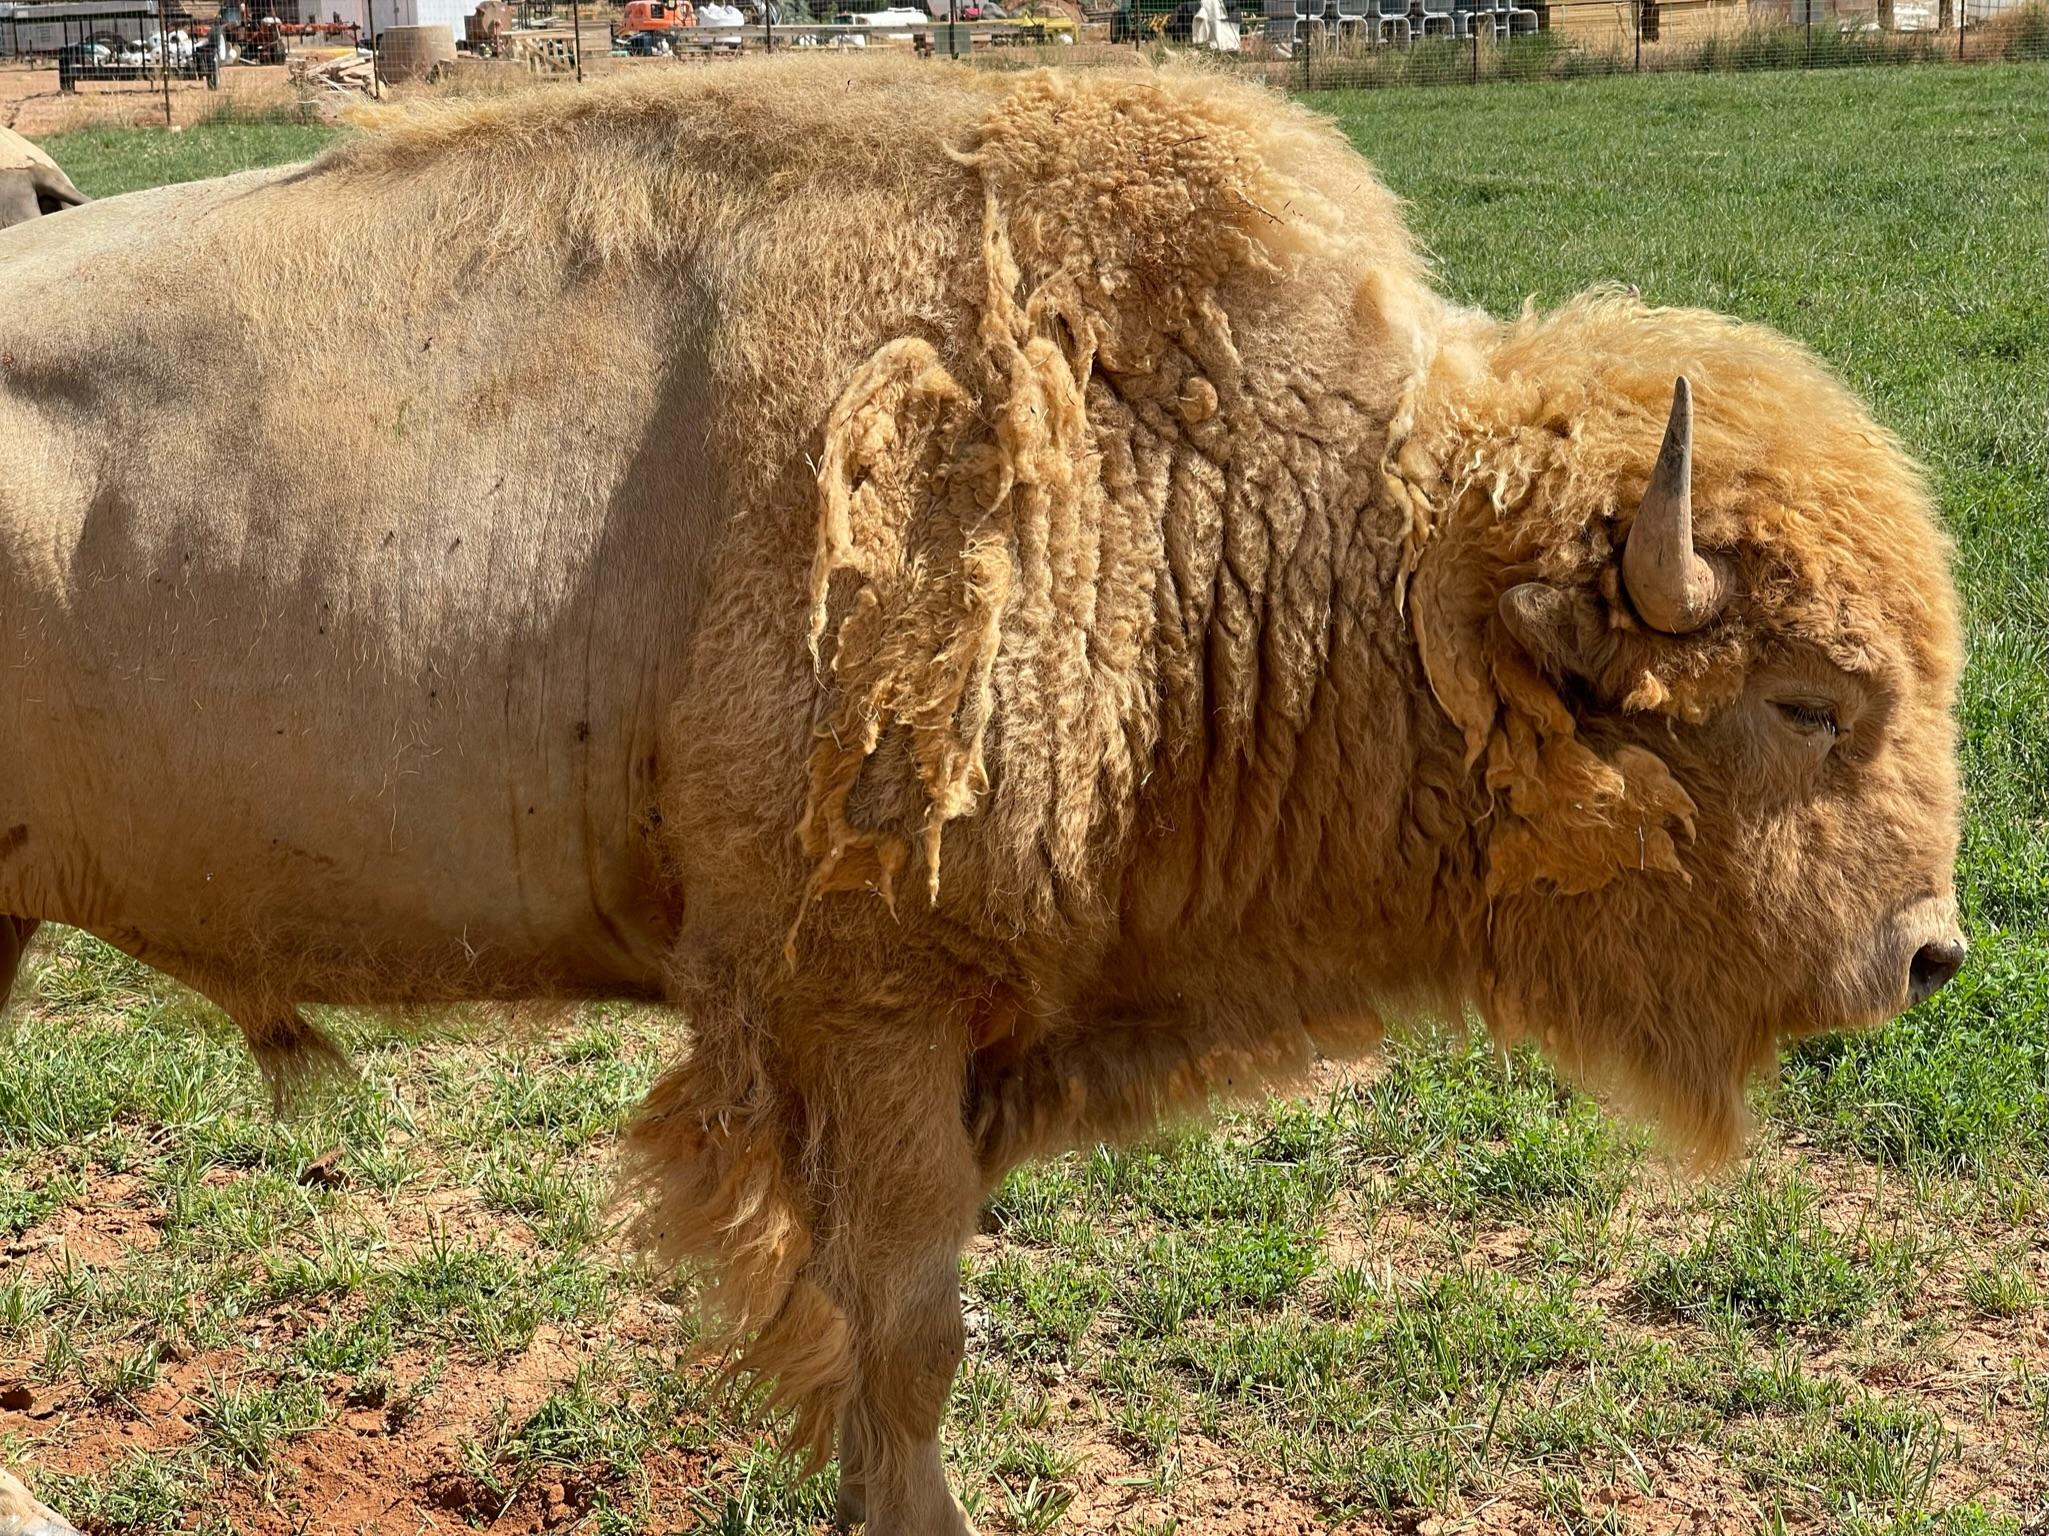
(1476, 44)
(1962, 7)
(1808, 62)
(1636, 17)
(164, 57)
(370, 22)
(576, 35)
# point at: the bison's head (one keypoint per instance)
(1702, 644)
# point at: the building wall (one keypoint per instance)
(27, 29)
(415, 13)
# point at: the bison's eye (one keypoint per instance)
(1810, 718)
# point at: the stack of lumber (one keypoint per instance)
(344, 72)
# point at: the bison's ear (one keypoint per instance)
(1563, 631)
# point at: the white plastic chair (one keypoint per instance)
(1438, 16)
(1384, 17)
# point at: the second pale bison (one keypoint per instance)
(31, 184)
(1019, 611)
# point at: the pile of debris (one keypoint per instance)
(544, 52)
(343, 73)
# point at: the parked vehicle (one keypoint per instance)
(110, 57)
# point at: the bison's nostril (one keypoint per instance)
(1934, 964)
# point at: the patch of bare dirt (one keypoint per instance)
(31, 104)
(104, 1223)
(1211, 1494)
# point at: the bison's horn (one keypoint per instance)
(1671, 586)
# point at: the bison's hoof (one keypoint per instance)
(851, 1507)
(22, 1515)
(946, 1520)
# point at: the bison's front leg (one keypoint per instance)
(909, 1346)
(852, 1506)
(811, 1158)
(891, 1228)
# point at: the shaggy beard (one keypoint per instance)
(1647, 1017)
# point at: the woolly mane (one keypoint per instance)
(1129, 235)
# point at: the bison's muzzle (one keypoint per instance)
(1934, 965)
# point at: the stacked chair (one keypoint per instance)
(1289, 23)
(1384, 18)
(1296, 23)
(1438, 16)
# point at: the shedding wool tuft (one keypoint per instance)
(973, 517)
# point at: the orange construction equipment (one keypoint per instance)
(656, 16)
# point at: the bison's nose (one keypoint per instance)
(1934, 964)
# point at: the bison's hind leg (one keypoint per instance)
(15, 932)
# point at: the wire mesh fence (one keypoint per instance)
(1340, 44)
(1352, 44)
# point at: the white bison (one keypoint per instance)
(1006, 599)
(30, 182)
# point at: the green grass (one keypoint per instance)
(105, 161)
(1771, 1260)
(1439, 1288)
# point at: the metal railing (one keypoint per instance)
(1351, 44)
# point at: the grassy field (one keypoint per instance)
(1442, 1294)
